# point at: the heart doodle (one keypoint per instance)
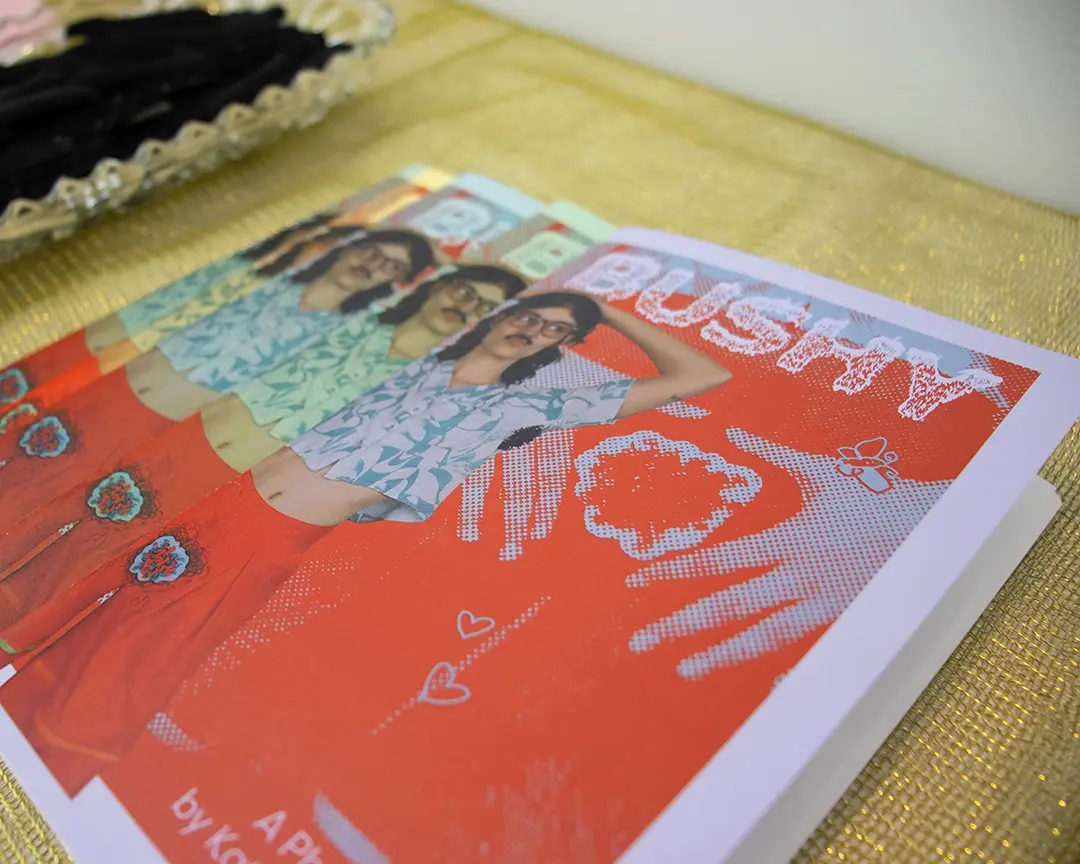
(470, 625)
(440, 688)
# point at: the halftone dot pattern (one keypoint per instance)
(818, 561)
(980, 765)
(486, 647)
(709, 298)
(577, 371)
(685, 411)
(473, 492)
(165, 729)
(758, 316)
(981, 362)
(645, 546)
(929, 388)
(302, 597)
(572, 371)
(617, 275)
(766, 324)
(862, 363)
(517, 490)
(555, 451)
(502, 634)
(562, 277)
(494, 252)
(534, 476)
(520, 478)
(517, 466)
(546, 252)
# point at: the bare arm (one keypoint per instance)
(682, 371)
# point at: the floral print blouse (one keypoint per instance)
(248, 337)
(157, 304)
(190, 300)
(415, 440)
(315, 384)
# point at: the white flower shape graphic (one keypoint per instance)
(818, 560)
(744, 486)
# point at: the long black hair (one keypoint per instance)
(274, 241)
(288, 259)
(507, 280)
(421, 256)
(586, 318)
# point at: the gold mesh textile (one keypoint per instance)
(986, 766)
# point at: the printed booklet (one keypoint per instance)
(446, 525)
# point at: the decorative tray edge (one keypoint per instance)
(201, 147)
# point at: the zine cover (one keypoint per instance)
(507, 603)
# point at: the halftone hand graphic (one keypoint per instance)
(819, 560)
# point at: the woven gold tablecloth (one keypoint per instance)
(986, 766)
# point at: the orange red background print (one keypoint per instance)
(534, 672)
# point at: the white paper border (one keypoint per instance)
(93, 826)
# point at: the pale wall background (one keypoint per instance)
(987, 89)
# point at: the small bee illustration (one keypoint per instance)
(870, 463)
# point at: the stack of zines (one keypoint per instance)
(449, 526)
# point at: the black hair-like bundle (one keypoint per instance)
(131, 79)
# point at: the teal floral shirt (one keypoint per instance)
(167, 299)
(322, 379)
(248, 337)
(415, 440)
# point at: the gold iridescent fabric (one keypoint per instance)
(985, 766)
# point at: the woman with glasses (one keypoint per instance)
(309, 388)
(59, 545)
(194, 367)
(396, 453)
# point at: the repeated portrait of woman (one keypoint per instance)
(197, 364)
(60, 544)
(59, 369)
(395, 453)
(35, 383)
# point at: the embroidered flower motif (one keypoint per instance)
(45, 439)
(116, 498)
(13, 386)
(25, 409)
(163, 560)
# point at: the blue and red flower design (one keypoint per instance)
(45, 439)
(164, 560)
(116, 498)
(13, 386)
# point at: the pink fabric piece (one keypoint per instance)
(24, 22)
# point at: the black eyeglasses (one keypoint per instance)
(551, 329)
(394, 269)
(463, 292)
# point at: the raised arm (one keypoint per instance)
(682, 371)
